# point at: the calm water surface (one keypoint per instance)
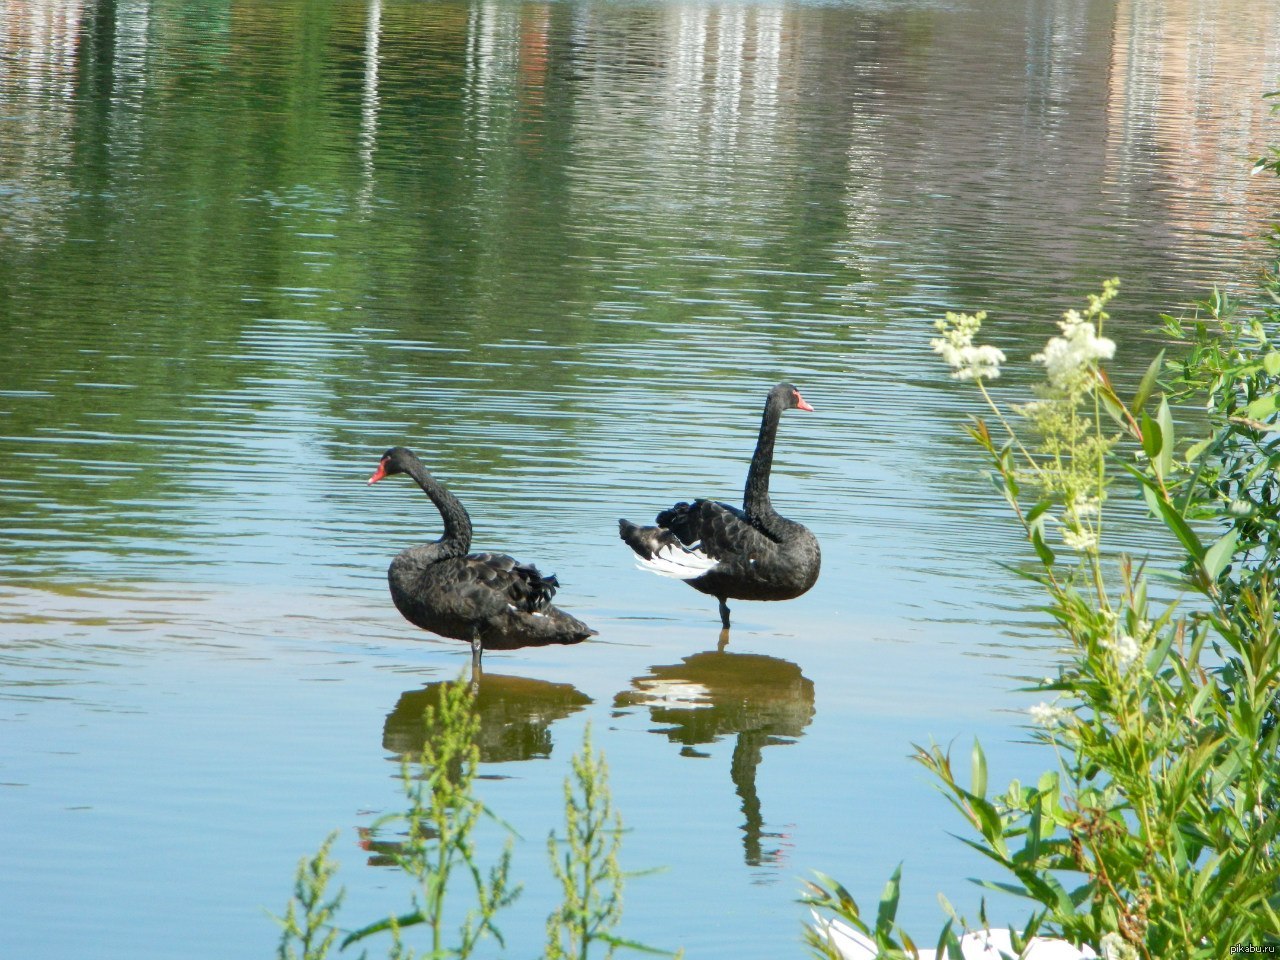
(562, 250)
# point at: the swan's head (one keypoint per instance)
(787, 395)
(395, 460)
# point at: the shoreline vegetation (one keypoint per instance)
(1155, 832)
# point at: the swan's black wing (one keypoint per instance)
(490, 595)
(717, 529)
(520, 584)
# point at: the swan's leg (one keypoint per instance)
(724, 613)
(476, 651)
(724, 640)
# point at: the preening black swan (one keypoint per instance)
(487, 599)
(747, 554)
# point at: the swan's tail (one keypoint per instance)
(660, 551)
(522, 629)
(564, 628)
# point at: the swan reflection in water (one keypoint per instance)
(516, 714)
(762, 700)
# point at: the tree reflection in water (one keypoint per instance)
(762, 700)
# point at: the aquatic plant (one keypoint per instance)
(439, 852)
(440, 822)
(307, 931)
(1157, 831)
(585, 861)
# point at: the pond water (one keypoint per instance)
(562, 250)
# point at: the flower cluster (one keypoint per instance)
(1068, 359)
(1116, 947)
(967, 360)
(1080, 540)
(1084, 506)
(1049, 716)
(1125, 649)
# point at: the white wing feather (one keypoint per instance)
(677, 561)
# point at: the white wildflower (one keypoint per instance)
(1125, 649)
(1068, 357)
(1049, 716)
(968, 361)
(1081, 540)
(1239, 508)
(1116, 947)
(1085, 506)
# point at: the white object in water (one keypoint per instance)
(979, 945)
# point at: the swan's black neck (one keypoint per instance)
(755, 499)
(457, 524)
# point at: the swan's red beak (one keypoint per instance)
(378, 474)
(801, 403)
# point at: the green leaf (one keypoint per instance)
(1265, 406)
(909, 944)
(1152, 497)
(1042, 548)
(1152, 441)
(1271, 363)
(986, 819)
(1171, 517)
(1035, 512)
(888, 908)
(615, 941)
(830, 894)
(1000, 485)
(1007, 470)
(1165, 418)
(1114, 407)
(404, 920)
(1159, 651)
(1197, 448)
(1219, 555)
(1003, 887)
(1147, 385)
(979, 770)
(981, 434)
(948, 944)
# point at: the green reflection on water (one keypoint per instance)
(249, 238)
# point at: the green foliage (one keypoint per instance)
(441, 818)
(1157, 832)
(892, 943)
(1231, 368)
(439, 852)
(1158, 828)
(308, 932)
(586, 864)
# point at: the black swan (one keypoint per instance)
(747, 554)
(487, 599)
